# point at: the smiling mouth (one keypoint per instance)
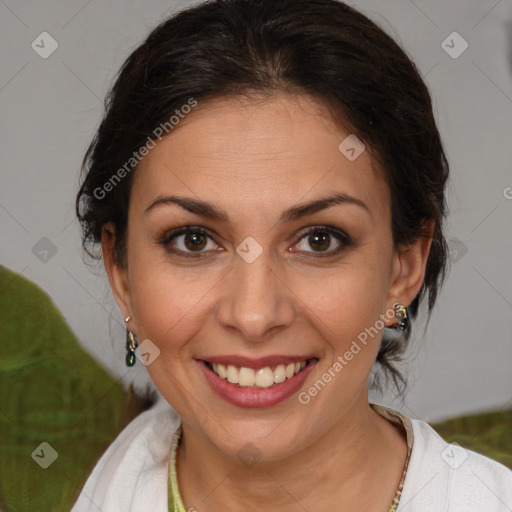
(267, 377)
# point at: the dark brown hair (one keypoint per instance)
(321, 48)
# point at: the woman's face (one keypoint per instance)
(261, 282)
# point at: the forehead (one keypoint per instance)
(240, 153)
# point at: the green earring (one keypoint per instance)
(131, 345)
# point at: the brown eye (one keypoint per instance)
(194, 241)
(320, 242)
(323, 240)
(187, 240)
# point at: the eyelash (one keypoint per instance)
(341, 236)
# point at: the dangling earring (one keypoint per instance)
(401, 314)
(131, 345)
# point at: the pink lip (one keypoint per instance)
(253, 397)
(256, 363)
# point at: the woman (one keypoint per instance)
(267, 187)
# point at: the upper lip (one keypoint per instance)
(255, 363)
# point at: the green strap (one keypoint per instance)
(175, 501)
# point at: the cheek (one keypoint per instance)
(351, 295)
(158, 300)
(168, 312)
(346, 308)
(164, 306)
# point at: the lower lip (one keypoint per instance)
(256, 397)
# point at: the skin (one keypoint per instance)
(254, 158)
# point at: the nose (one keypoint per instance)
(256, 300)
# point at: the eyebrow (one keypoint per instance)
(210, 211)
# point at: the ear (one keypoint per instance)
(117, 274)
(409, 265)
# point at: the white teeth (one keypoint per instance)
(279, 374)
(246, 377)
(232, 374)
(221, 371)
(262, 378)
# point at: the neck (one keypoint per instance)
(356, 464)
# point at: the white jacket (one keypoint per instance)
(132, 475)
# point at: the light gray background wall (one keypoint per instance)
(51, 107)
